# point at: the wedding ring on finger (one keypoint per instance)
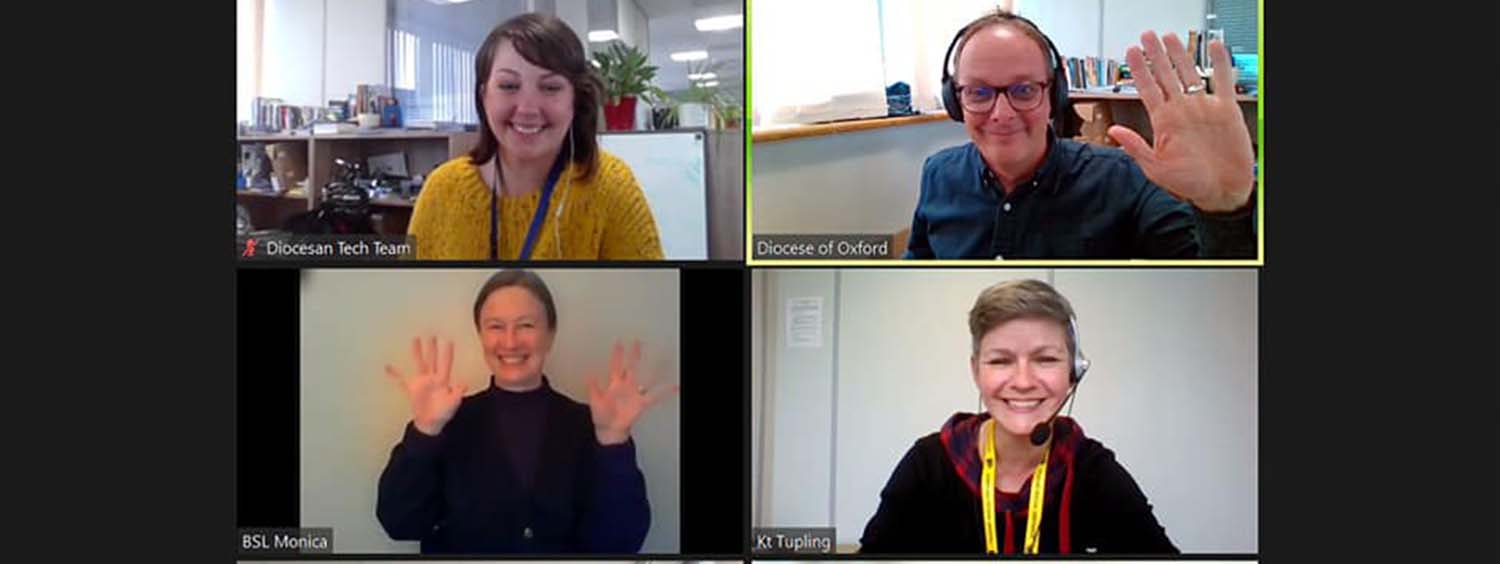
(1194, 89)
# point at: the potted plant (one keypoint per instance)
(626, 77)
(716, 110)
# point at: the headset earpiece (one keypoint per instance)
(1080, 363)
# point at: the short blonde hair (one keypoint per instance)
(1020, 299)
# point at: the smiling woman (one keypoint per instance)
(1042, 486)
(519, 193)
(517, 467)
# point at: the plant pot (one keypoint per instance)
(621, 116)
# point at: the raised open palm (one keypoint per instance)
(433, 396)
(1200, 151)
(620, 400)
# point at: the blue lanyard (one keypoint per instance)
(537, 219)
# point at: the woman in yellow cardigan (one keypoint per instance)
(538, 96)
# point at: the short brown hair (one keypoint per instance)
(525, 279)
(1020, 299)
(547, 42)
(1001, 17)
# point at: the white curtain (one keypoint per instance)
(917, 34)
(816, 61)
(833, 59)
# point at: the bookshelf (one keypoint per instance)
(1126, 108)
(423, 150)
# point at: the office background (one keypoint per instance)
(868, 181)
(1172, 391)
(351, 414)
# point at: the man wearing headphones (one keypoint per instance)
(1020, 191)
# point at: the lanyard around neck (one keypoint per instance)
(536, 219)
(987, 486)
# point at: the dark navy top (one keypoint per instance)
(1085, 202)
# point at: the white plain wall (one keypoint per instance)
(798, 436)
(1125, 20)
(292, 52)
(356, 33)
(633, 28)
(1172, 390)
(1073, 25)
(316, 50)
(861, 182)
(356, 321)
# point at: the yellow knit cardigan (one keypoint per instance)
(603, 218)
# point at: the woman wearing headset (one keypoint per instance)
(537, 185)
(1016, 478)
(516, 467)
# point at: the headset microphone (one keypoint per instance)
(1043, 431)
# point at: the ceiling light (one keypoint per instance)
(685, 56)
(704, 76)
(600, 35)
(720, 23)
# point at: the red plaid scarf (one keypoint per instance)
(960, 436)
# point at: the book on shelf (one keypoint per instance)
(434, 125)
(333, 128)
(1092, 73)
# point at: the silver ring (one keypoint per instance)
(1196, 88)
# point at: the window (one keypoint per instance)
(246, 56)
(832, 60)
(438, 77)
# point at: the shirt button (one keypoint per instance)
(526, 533)
(1007, 206)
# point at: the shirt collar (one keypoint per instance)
(1043, 179)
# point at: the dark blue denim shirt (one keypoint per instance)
(1085, 202)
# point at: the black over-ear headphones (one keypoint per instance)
(1059, 84)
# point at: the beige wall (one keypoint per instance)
(356, 321)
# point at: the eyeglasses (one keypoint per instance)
(1023, 96)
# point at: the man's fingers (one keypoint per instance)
(1182, 63)
(1134, 145)
(1223, 70)
(1161, 67)
(445, 362)
(1150, 94)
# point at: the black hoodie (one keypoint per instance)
(931, 503)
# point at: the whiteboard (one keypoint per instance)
(670, 167)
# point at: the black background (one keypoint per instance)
(1378, 365)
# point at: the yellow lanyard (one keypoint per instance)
(1034, 510)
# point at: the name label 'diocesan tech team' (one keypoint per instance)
(353, 248)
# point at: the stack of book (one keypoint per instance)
(1092, 72)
